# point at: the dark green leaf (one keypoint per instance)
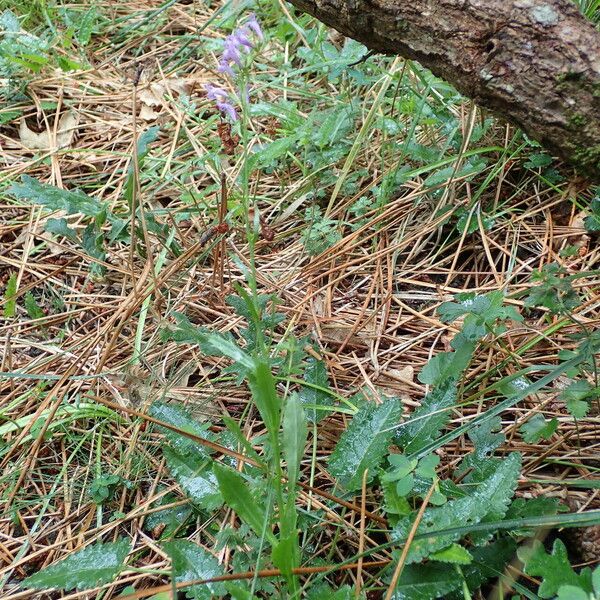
(264, 394)
(195, 478)
(85, 569)
(426, 582)
(425, 423)
(491, 497)
(60, 227)
(190, 562)
(537, 428)
(364, 444)
(555, 568)
(294, 436)
(177, 416)
(315, 374)
(238, 497)
(55, 198)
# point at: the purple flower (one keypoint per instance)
(228, 109)
(231, 53)
(225, 67)
(241, 37)
(222, 100)
(253, 25)
(240, 40)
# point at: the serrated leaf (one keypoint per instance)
(485, 440)
(489, 308)
(364, 444)
(189, 562)
(537, 428)
(425, 423)
(212, 343)
(555, 568)
(61, 227)
(426, 582)
(454, 554)
(237, 496)
(85, 569)
(324, 592)
(488, 563)
(32, 307)
(576, 397)
(315, 374)
(178, 416)
(54, 198)
(10, 297)
(194, 477)
(294, 436)
(491, 497)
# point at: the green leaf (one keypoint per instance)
(142, 149)
(10, 297)
(103, 487)
(577, 396)
(60, 227)
(269, 154)
(264, 394)
(295, 434)
(85, 569)
(315, 374)
(211, 343)
(425, 423)
(284, 554)
(491, 497)
(489, 562)
(189, 562)
(489, 307)
(195, 479)
(324, 592)
(454, 554)
(485, 440)
(238, 497)
(537, 428)
(54, 198)
(570, 592)
(554, 568)
(32, 307)
(426, 582)
(364, 444)
(177, 416)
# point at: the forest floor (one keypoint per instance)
(374, 192)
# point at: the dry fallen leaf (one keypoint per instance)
(65, 132)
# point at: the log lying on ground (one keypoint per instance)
(534, 62)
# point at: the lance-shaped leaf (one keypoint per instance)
(85, 569)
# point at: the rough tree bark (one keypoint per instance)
(534, 62)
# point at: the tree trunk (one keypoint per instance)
(534, 62)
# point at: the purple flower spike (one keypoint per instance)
(241, 36)
(232, 50)
(228, 109)
(253, 25)
(225, 67)
(215, 93)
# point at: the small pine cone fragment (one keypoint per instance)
(590, 543)
(584, 540)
